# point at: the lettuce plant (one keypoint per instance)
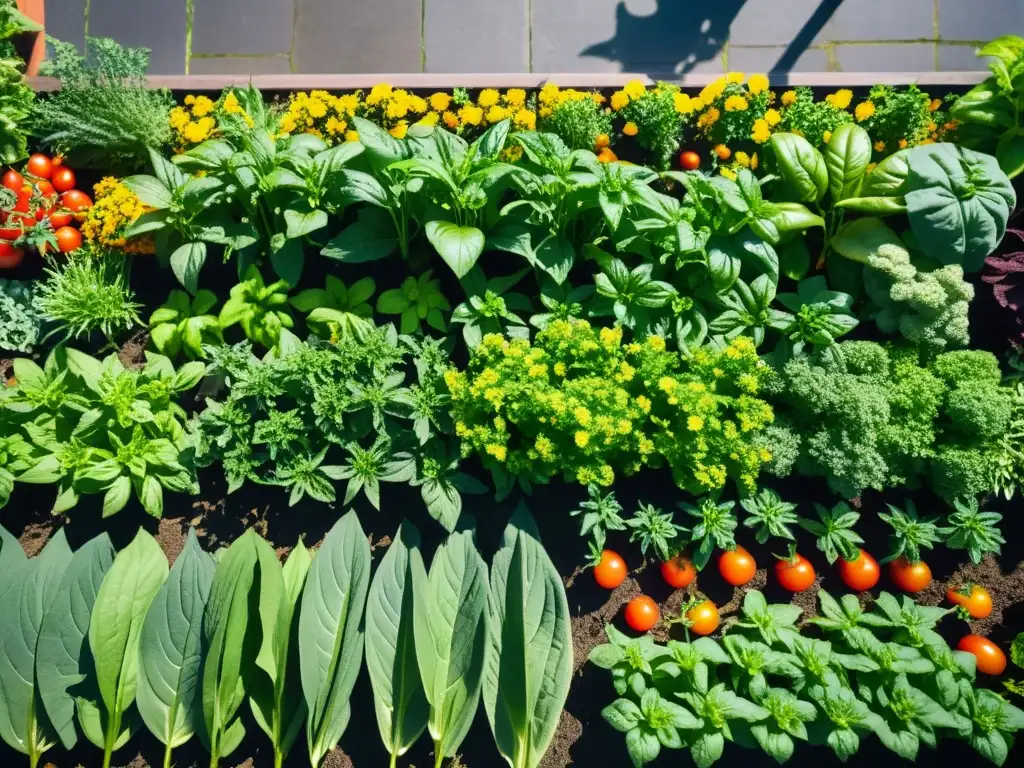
(183, 325)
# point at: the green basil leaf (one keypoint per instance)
(847, 156)
(801, 165)
(460, 247)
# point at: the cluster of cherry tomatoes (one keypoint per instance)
(46, 209)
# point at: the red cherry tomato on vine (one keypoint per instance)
(46, 189)
(794, 573)
(908, 576)
(68, 239)
(991, 659)
(689, 160)
(10, 257)
(24, 204)
(736, 566)
(678, 572)
(860, 574)
(63, 179)
(13, 180)
(611, 571)
(75, 200)
(40, 166)
(974, 597)
(703, 618)
(60, 219)
(15, 226)
(642, 613)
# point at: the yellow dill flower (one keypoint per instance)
(497, 451)
(634, 89)
(644, 403)
(560, 369)
(728, 173)
(451, 378)
(667, 384)
(471, 115)
(788, 98)
(582, 416)
(515, 97)
(619, 100)
(773, 117)
(722, 152)
(626, 372)
(762, 131)
(611, 337)
(840, 99)
(624, 427)
(864, 110)
(657, 343)
(582, 437)
(538, 370)
(488, 98)
(694, 423)
(630, 129)
(606, 475)
(736, 104)
(526, 119)
(757, 84)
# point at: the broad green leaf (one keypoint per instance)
(231, 632)
(331, 632)
(11, 556)
(451, 632)
(460, 247)
(186, 262)
(23, 724)
(860, 239)
(529, 654)
(300, 223)
(847, 156)
(801, 165)
(150, 191)
(369, 238)
(121, 604)
(398, 696)
(61, 657)
(170, 649)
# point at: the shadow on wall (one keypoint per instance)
(680, 34)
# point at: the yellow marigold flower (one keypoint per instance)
(788, 98)
(430, 119)
(736, 104)
(757, 84)
(762, 131)
(582, 437)
(471, 115)
(709, 118)
(879, 146)
(515, 97)
(903, 143)
(394, 110)
(826, 136)
(712, 90)
(753, 162)
(190, 99)
(610, 336)
(871, 167)
(351, 135)
(378, 93)
(743, 159)
(317, 109)
(348, 103)
(735, 77)
(773, 117)
(644, 403)
(723, 152)
(451, 120)
(400, 130)
(619, 100)
(840, 99)
(497, 451)
(728, 173)
(683, 104)
(526, 119)
(560, 369)
(488, 97)
(607, 156)
(582, 416)
(417, 105)
(630, 129)
(439, 101)
(634, 89)
(496, 114)
(864, 110)
(624, 427)
(934, 105)
(548, 93)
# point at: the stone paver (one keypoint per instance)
(960, 58)
(155, 24)
(980, 19)
(364, 36)
(241, 26)
(241, 65)
(916, 57)
(67, 21)
(499, 40)
(766, 60)
(576, 36)
(882, 20)
(768, 22)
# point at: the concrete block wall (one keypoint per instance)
(656, 37)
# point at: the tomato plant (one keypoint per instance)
(13, 180)
(702, 618)
(39, 165)
(611, 571)
(908, 576)
(16, 225)
(68, 239)
(75, 200)
(794, 572)
(974, 598)
(10, 257)
(63, 179)
(860, 574)
(678, 572)
(689, 160)
(642, 613)
(737, 566)
(60, 218)
(991, 659)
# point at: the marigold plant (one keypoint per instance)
(116, 207)
(735, 109)
(815, 120)
(580, 403)
(657, 116)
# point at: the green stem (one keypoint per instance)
(394, 760)
(438, 755)
(278, 757)
(167, 756)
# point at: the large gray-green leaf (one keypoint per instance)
(276, 700)
(801, 165)
(11, 556)
(62, 637)
(170, 649)
(331, 632)
(847, 156)
(121, 604)
(398, 697)
(529, 655)
(23, 724)
(451, 636)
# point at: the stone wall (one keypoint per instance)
(657, 37)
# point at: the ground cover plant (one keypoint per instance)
(281, 376)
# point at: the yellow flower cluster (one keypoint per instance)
(114, 209)
(734, 108)
(322, 114)
(580, 403)
(194, 122)
(491, 106)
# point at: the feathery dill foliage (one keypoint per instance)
(90, 292)
(103, 115)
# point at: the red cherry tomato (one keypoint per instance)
(678, 572)
(13, 180)
(795, 573)
(974, 597)
(60, 219)
(860, 574)
(75, 200)
(991, 659)
(24, 204)
(15, 226)
(736, 566)
(10, 257)
(40, 166)
(703, 618)
(63, 179)
(68, 239)
(611, 571)
(46, 189)
(908, 576)
(689, 160)
(642, 613)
